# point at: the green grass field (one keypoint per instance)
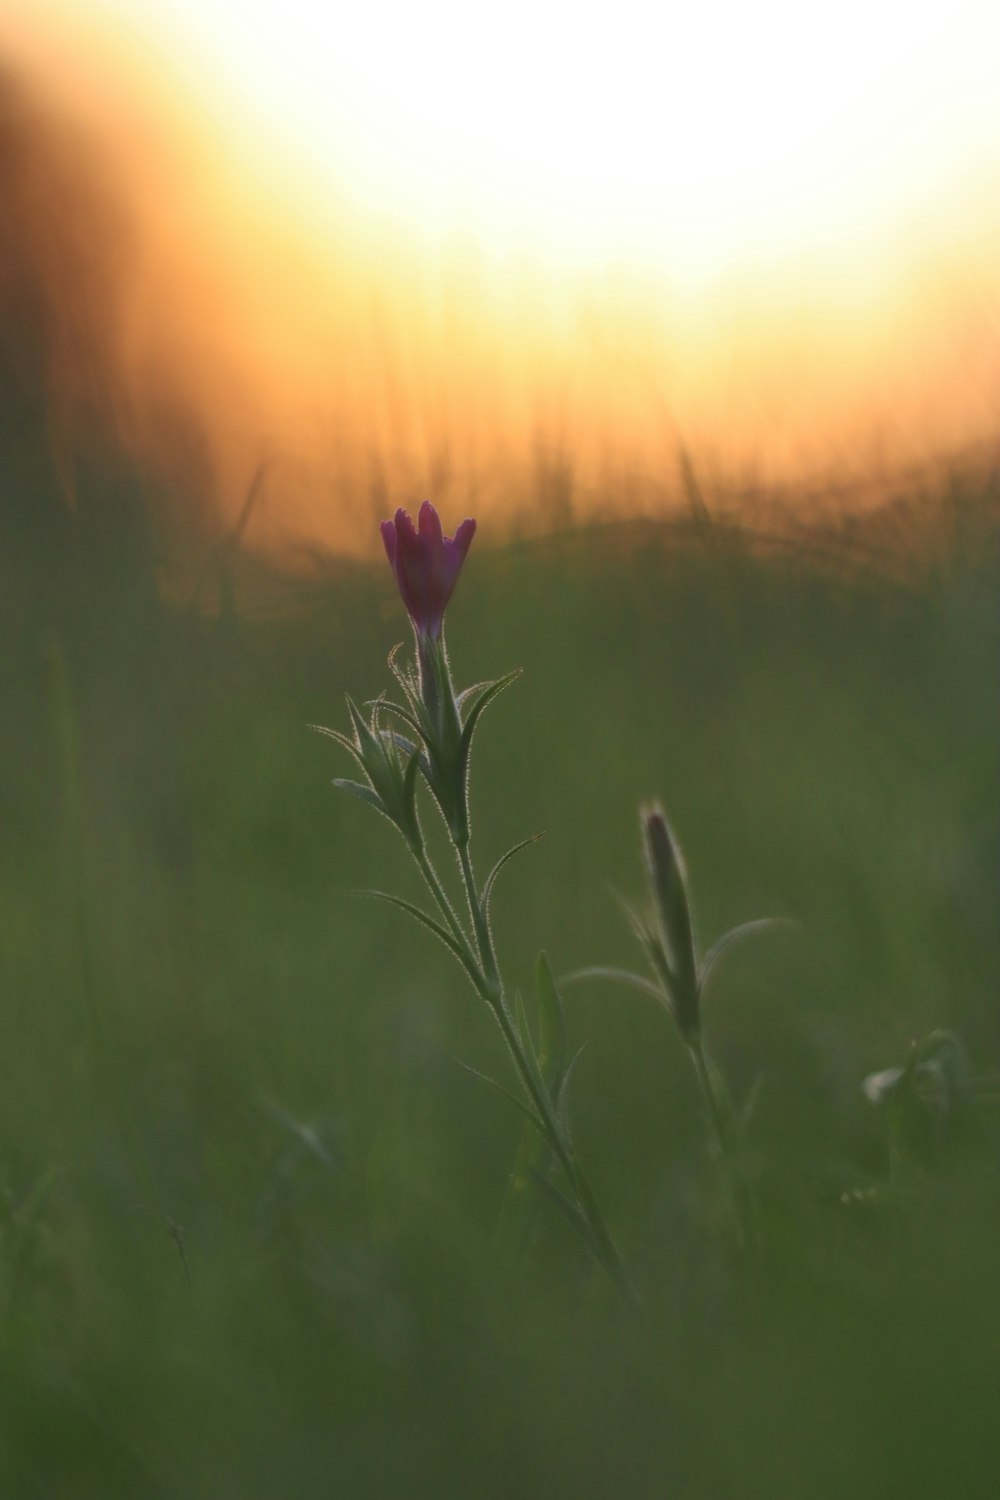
(248, 1192)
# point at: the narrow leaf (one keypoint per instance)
(629, 912)
(519, 1104)
(375, 706)
(410, 788)
(491, 877)
(570, 1213)
(638, 924)
(363, 794)
(623, 976)
(468, 696)
(736, 935)
(430, 922)
(405, 679)
(400, 741)
(366, 737)
(527, 1041)
(401, 713)
(562, 1095)
(335, 734)
(604, 1248)
(491, 691)
(653, 946)
(552, 1022)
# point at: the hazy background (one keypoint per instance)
(529, 268)
(247, 1193)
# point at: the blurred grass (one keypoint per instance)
(275, 1084)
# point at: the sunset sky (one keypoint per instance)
(453, 236)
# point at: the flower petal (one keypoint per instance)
(463, 538)
(430, 524)
(426, 563)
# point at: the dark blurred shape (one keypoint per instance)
(75, 520)
(84, 522)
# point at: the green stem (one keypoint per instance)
(440, 895)
(603, 1243)
(480, 961)
(492, 991)
(481, 927)
(740, 1196)
(697, 1050)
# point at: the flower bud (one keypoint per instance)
(426, 564)
(675, 929)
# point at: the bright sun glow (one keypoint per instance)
(690, 137)
(399, 245)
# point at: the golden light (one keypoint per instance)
(689, 137)
(768, 232)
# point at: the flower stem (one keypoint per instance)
(440, 895)
(491, 989)
(740, 1195)
(480, 924)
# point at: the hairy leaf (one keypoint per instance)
(491, 877)
(335, 734)
(491, 691)
(430, 922)
(363, 794)
(401, 713)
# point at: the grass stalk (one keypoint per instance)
(722, 1128)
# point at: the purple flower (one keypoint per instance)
(426, 564)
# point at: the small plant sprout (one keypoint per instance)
(680, 976)
(425, 735)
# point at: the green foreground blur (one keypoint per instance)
(248, 1193)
